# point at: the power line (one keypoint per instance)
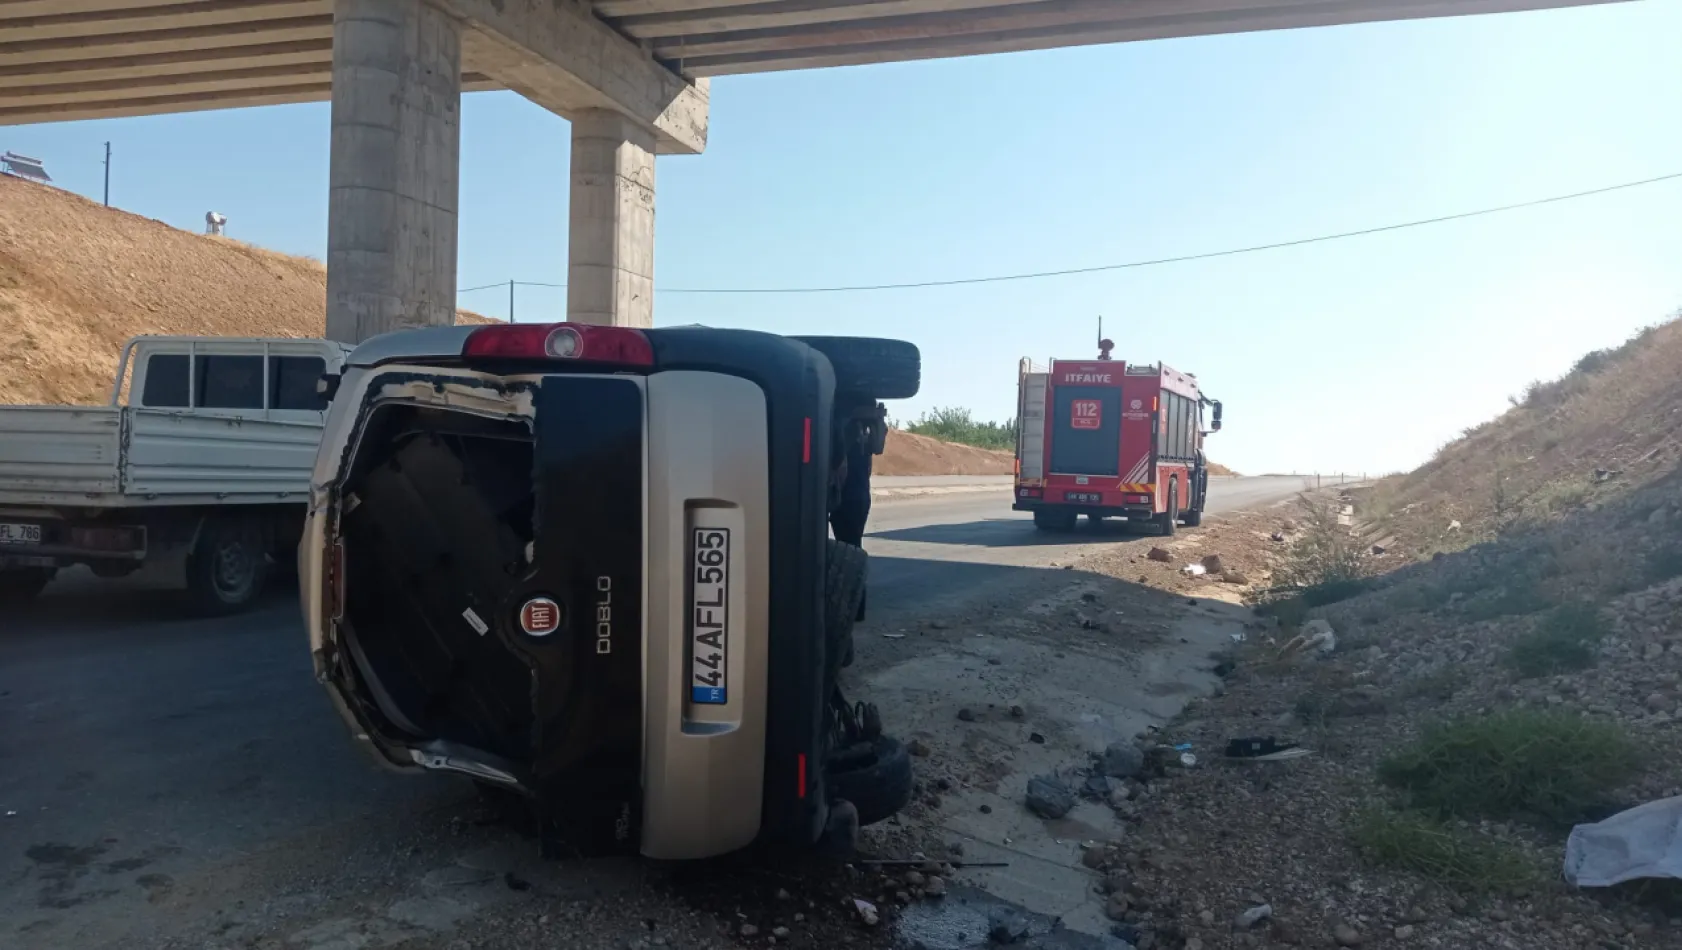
(1128, 265)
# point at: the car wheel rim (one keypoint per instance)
(233, 569)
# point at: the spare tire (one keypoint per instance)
(874, 776)
(871, 366)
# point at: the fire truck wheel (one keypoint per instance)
(1170, 519)
(1054, 520)
(1192, 518)
(871, 366)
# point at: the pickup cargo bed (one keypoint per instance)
(108, 456)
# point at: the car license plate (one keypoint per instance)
(709, 615)
(20, 534)
(1083, 498)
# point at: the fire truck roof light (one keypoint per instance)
(619, 346)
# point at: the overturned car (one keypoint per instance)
(592, 566)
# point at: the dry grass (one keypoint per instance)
(78, 279)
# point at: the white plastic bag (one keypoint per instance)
(1645, 841)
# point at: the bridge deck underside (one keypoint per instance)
(77, 59)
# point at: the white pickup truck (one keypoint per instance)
(199, 466)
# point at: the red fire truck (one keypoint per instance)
(1106, 438)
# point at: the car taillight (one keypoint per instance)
(617, 346)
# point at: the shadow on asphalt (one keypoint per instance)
(988, 534)
(88, 604)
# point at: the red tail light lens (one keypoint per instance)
(617, 346)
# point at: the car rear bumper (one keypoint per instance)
(1100, 511)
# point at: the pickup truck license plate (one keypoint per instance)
(20, 534)
(709, 615)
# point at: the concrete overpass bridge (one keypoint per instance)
(631, 75)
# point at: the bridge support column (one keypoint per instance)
(610, 248)
(395, 172)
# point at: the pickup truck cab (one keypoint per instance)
(199, 466)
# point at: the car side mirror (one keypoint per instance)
(328, 386)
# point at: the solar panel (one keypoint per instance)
(23, 167)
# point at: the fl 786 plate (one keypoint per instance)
(709, 615)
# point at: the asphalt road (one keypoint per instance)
(140, 750)
(917, 543)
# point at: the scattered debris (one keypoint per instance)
(1048, 797)
(918, 748)
(1213, 564)
(1640, 842)
(1097, 787)
(1195, 570)
(1123, 760)
(1317, 634)
(1253, 916)
(965, 715)
(867, 912)
(893, 636)
(1006, 925)
(1160, 554)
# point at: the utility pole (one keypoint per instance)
(510, 301)
(107, 174)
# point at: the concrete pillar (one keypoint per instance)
(395, 174)
(610, 249)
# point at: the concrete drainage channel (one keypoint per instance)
(1002, 704)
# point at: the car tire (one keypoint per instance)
(22, 585)
(871, 366)
(228, 567)
(875, 777)
(847, 569)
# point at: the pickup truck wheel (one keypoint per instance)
(871, 366)
(227, 569)
(874, 776)
(23, 584)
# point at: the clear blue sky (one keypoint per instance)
(1359, 354)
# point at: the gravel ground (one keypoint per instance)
(1235, 853)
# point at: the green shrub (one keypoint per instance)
(1416, 842)
(1663, 564)
(1516, 599)
(1562, 643)
(958, 425)
(1547, 767)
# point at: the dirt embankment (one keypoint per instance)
(909, 454)
(78, 279)
(1607, 428)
